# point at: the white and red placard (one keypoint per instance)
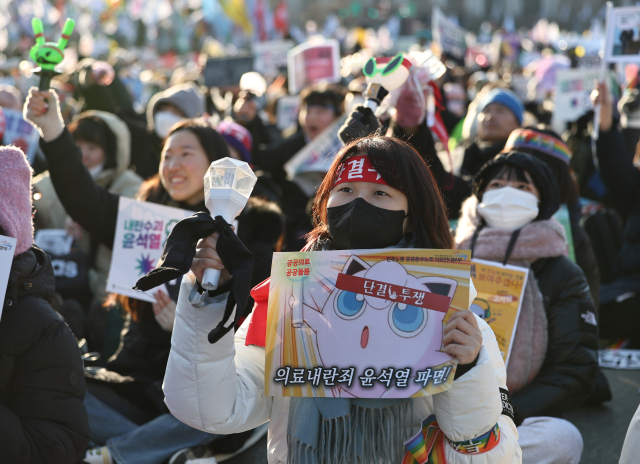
(312, 63)
(142, 229)
(7, 249)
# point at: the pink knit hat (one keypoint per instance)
(15, 197)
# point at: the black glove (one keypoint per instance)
(360, 123)
(180, 249)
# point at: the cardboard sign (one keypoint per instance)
(315, 158)
(510, 45)
(363, 323)
(500, 290)
(221, 72)
(449, 36)
(141, 233)
(619, 359)
(270, 57)
(623, 35)
(311, 63)
(589, 61)
(573, 93)
(7, 249)
(319, 153)
(287, 111)
(20, 133)
(54, 241)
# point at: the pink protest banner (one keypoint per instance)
(313, 62)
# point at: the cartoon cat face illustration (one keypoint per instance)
(382, 325)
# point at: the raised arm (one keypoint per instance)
(217, 388)
(619, 175)
(89, 204)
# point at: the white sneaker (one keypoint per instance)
(98, 456)
(203, 455)
(210, 460)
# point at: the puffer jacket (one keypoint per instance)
(42, 386)
(568, 374)
(119, 180)
(219, 388)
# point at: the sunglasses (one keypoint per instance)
(371, 66)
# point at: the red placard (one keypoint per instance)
(391, 292)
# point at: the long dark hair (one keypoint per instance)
(402, 168)
(153, 191)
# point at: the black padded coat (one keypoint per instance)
(568, 374)
(42, 417)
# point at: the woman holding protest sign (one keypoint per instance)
(553, 361)
(131, 394)
(220, 387)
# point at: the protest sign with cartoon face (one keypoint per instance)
(365, 324)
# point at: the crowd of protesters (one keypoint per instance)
(140, 398)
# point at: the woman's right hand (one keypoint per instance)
(207, 258)
(42, 110)
(601, 95)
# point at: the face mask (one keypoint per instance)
(163, 121)
(96, 170)
(360, 225)
(508, 208)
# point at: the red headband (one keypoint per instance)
(359, 169)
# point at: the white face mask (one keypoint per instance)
(96, 170)
(508, 208)
(163, 121)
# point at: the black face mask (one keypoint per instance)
(360, 225)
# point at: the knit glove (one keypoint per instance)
(42, 110)
(360, 123)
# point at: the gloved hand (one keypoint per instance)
(164, 310)
(42, 110)
(360, 123)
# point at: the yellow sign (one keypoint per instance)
(500, 291)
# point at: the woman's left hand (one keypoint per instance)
(462, 337)
(164, 309)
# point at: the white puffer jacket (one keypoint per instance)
(219, 388)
